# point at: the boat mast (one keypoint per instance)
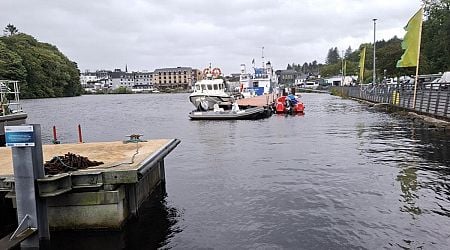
(262, 56)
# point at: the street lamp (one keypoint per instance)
(374, 41)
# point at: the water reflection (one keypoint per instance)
(8, 221)
(409, 186)
(156, 224)
(420, 155)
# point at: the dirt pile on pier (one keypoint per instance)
(68, 162)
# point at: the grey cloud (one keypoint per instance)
(152, 34)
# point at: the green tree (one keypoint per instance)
(348, 52)
(11, 66)
(333, 56)
(435, 51)
(10, 30)
(42, 69)
(122, 90)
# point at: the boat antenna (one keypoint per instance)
(262, 56)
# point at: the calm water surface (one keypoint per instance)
(342, 176)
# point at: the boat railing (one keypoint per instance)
(9, 97)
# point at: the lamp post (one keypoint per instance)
(342, 69)
(374, 46)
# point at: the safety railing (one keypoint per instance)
(431, 98)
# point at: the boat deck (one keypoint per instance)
(257, 101)
(110, 153)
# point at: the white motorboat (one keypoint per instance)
(261, 81)
(210, 91)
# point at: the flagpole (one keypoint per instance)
(374, 48)
(417, 64)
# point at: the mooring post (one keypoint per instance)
(55, 137)
(80, 136)
(27, 159)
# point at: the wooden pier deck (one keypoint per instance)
(258, 101)
(104, 196)
(110, 153)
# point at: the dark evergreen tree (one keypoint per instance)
(10, 30)
(348, 52)
(333, 56)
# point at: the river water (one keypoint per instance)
(342, 176)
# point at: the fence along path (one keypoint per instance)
(431, 99)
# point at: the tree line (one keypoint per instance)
(42, 70)
(434, 53)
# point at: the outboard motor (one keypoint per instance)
(288, 106)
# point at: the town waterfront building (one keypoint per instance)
(174, 78)
(287, 77)
(141, 81)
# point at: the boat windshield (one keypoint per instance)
(198, 87)
(209, 87)
(203, 87)
(216, 87)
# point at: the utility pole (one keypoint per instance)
(374, 46)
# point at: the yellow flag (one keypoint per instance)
(362, 59)
(411, 41)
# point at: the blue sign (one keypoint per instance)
(19, 136)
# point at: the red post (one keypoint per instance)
(55, 139)
(54, 133)
(80, 137)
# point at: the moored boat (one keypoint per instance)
(210, 91)
(251, 113)
(259, 81)
(289, 104)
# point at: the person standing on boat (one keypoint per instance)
(292, 99)
(234, 106)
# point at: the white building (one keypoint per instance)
(87, 78)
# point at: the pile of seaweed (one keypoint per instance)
(68, 162)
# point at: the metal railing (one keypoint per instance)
(431, 98)
(9, 97)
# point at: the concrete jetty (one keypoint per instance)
(101, 197)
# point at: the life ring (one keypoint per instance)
(216, 72)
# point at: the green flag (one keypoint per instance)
(411, 42)
(362, 59)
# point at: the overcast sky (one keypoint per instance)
(148, 34)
